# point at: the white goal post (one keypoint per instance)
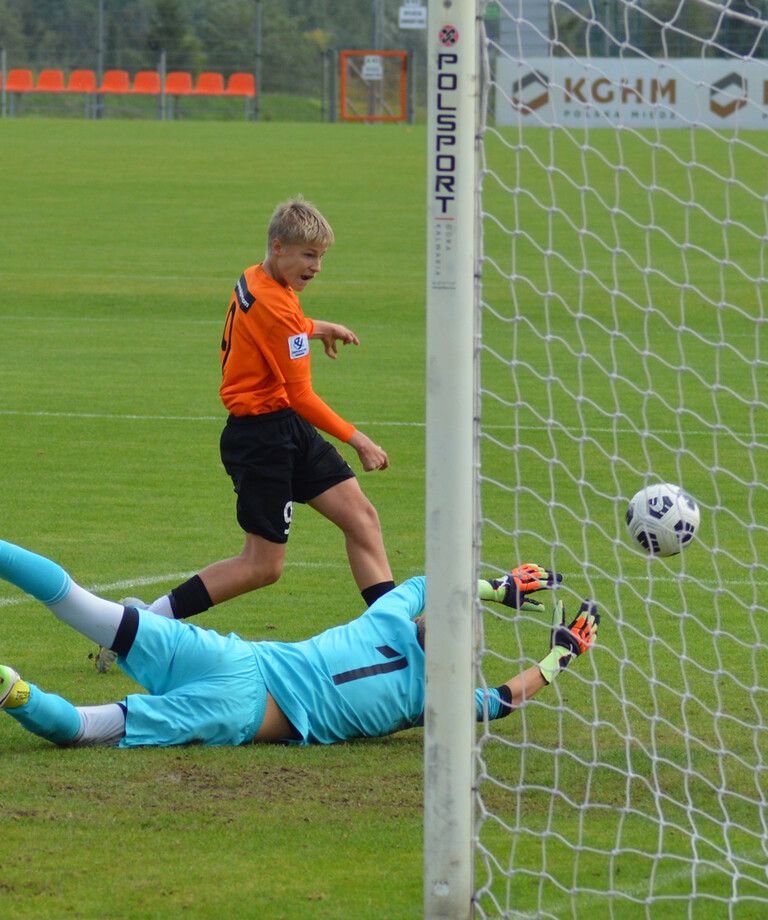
(597, 263)
(450, 458)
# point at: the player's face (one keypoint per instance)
(294, 265)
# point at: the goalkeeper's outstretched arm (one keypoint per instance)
(566, 643)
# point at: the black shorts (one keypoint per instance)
(274, 460)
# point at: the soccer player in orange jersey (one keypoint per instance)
(270, 445)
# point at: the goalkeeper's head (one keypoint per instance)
(420, 629)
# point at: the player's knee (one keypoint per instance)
(270, 576)
(371, 517)
(365, 524)
(260, 563)
(265, 572)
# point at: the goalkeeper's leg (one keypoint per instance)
(94, 617)
(51, 717)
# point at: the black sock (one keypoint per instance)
(126, 631)
(374, 592)
(191, 598)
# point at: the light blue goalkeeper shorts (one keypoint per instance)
(203, 688)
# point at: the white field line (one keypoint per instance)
(369, 423)
(169, 418)
(146, 580)
(206, 279)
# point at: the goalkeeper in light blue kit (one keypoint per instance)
(361, 679)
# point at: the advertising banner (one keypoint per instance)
(603, 92)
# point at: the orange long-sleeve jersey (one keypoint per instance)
(265, 355)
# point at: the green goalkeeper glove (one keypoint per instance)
(568, 642)
(513, 589)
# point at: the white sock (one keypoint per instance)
(162, 607)
(93, 617)
(103, 725)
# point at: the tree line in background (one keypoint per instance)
(297, 35)
(197, 35)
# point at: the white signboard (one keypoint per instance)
(373, 67)
(602, 92)
(413, 15)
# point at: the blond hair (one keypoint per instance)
(298, 222)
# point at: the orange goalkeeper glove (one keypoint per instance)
(515, 588)
(568, 642)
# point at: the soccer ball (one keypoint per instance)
(662, 519)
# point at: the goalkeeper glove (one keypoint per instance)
(513, 589)
(568, 642)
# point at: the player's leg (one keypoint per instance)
(203, 687)
(348, 508)
(325, 481)
(94, 617)
(258, 455)
(51, 717)
(259, 564)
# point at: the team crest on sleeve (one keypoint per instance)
(298, 346)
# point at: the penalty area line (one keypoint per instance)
(134, 417)
(146, 580)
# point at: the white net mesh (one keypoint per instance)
(623, 194)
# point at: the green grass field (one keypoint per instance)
(120, 245)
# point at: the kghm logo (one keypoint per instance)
(728, 95)
(531, 92)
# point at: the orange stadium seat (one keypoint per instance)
(241, 84)
(50, 81)
(81, 81)
(115, 81)
(147, 82)
(209, 84)
(178, 83)
(19, 81)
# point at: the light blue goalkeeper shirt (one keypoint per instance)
(361, 679)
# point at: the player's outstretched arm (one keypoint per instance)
(568, 642)
(516, 587)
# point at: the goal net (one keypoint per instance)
(623, 189)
